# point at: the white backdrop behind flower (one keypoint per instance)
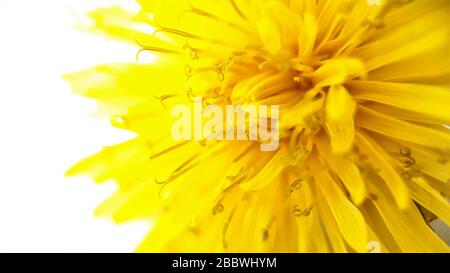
(44, 129)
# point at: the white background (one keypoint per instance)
(44, 129)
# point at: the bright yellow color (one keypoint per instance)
(364, 95)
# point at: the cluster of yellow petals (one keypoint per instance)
(364, 95)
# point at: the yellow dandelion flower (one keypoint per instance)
(363, 95)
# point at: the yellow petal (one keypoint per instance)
(405, 115)
(407, 226)
(433, 66)
(332, 228)
(377, 122)
(269, 34)
(307, 37)
(112, 162)
(379, 227)
(340, 109)
(299, 112)
(119, 23)
(432, 26)
(346, 169)
(349, 219)
(138, 203)
(431, 163)
(424, 99)
(382, 161)
(268, 173)
(337, 71)
(430, 199)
